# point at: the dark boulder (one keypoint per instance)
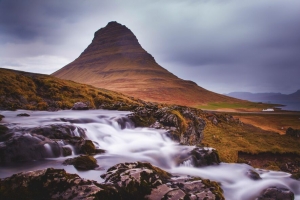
(23, 115)
(47, 184)
(82, 162)
(183, 124)
(59, 131)
(200, 157)
(27, 148)
(144, 181)
(293, 132)
(88, 147)
(253, 174)
(80, 106)
(274, 193)
(1, 117)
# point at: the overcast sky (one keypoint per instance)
(222, 45)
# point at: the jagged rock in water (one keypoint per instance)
(59, 131)
(82, 162)
(80, 106)
(253, 175)
(1, 117)
(274, 193)
(183, 123)
(23, 115)
(199, 157)
(27, 148)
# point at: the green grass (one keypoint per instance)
(238, 106)
(230, 138)
(22, 90)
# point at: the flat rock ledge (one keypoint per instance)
(136, 180)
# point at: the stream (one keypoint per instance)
(116, 134)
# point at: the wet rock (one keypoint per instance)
(274, 193)
(144, 181)
(23, 115)
(80, 106)
(59, 131)
(1, 117)
(27, 148)
(66, 151)
(293, 132)
(88, 147)
(200, 157)
(47, 184)
(253, 175)
(183, 123)
(82, 162)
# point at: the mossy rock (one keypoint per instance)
(82, 162)
(88, 147)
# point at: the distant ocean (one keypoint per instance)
(292, 106)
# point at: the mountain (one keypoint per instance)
(24, 90)
(116, 61)
(264, 97)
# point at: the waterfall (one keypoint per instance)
(116, 134)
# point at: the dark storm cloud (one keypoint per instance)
(223, 45)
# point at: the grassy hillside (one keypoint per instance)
(43, 92)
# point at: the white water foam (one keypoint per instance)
(113, 132)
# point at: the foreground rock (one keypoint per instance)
(183, 123)
(274, 193)
(123, 181)
(142, 180)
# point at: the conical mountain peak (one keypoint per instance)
(115, 60)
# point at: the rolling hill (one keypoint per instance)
(24, 90)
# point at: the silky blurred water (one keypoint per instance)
(115, 133)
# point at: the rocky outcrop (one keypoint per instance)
(183, 123)
(80, 106)
(200, 157)
(274, 193)
(123, 181)
(293, 132)
(25, 144)
(26, 148)
(47, 184)
(58, 131)
(139, 180)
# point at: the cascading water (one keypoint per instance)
(113, 132)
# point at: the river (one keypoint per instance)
(115, 133)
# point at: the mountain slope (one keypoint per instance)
(24, 90)
(115, 60)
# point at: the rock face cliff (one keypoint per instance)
(115, 60)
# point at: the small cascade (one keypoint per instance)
(113, 132)
(48, 150)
